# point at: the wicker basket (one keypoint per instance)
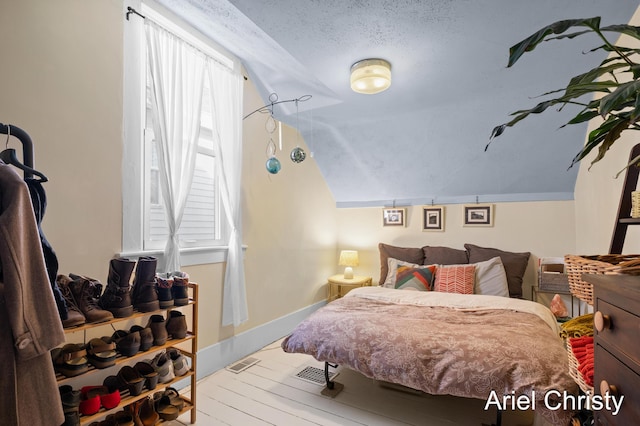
(574, 372)
(576, 265)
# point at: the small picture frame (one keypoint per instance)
(478, 215)
(394, 217)
(433, 218)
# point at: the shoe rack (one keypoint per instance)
(187, 346)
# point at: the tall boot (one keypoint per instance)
(144, 293)
(86, 293)
(117, 296)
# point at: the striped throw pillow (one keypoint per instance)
(455, 279)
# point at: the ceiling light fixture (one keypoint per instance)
(370, 76)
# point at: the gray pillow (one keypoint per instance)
(515, 264)
(444, 256)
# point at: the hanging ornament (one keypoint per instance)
(297, 155)
(273, 165)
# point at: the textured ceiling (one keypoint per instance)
(422, 140)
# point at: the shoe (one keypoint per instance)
(149, 373)
(174, 396)
(147, 413)
(128, 344)
(101, 352)
(129, 378)
(117, 295)
(144, 294)
(157, 324)
(163, 365)
(177, 325)
(108, 398)
(179, 361)
(74, 316)
(164, 285)
(86, 292)
(164, 408)
(70, 360)
(180, 288)
(90, 400)
(70, 405)
(146, 336)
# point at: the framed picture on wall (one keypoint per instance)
(433, 218)
(394, 217)
(478, 215)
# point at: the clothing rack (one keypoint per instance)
(27, 145)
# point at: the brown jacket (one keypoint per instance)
(29, 322)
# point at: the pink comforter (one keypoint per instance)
(466, 351)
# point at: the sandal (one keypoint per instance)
(165, 409)
(70, 360)
(101, 352)
(174, 397)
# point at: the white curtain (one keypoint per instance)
(226, 101)
(177, 76)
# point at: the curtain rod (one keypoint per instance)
(131, 10)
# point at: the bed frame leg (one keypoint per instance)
(330, 384)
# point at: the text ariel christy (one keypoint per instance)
(555, 400)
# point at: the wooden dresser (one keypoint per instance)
(617, 344)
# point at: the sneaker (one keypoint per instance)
(163, 365)
(179, 361)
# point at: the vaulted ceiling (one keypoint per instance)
(423, 139)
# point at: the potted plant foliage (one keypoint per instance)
(612, 88)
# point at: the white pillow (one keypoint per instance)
(390, 281)
(491, 278)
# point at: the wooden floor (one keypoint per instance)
(268, 393)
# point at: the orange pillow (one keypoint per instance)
(455, 279)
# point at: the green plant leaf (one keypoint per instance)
(621, 95)
(582, 117)
(559, 27)
(595, 73)
(609, 138)
(629, 30)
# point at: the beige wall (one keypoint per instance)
(542, 228)
(61, 81)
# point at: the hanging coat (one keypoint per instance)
(29, 323)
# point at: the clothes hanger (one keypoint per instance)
(8, 156)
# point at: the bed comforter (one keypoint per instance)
(442, 343)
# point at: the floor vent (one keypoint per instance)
(242, 365)
(315, 375)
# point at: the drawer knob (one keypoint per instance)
(606, 388)
(601, 321)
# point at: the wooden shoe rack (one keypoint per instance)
(187, 346)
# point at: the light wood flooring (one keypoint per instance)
(268, 393)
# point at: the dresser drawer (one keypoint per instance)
(626, 381)
(621, 330)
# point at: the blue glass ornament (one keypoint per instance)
(273, 165)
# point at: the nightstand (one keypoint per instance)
(339, 285)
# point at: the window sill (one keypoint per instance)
(188, 256)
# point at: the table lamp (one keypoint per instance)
(348, 258)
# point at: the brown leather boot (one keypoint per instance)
(86, 292)
(116, 297)
(74, 316)
(144, 293)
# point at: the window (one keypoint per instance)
(202, 221)
(204, 227)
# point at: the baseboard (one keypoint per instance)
(219, 355)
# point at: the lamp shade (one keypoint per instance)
(370, 76)
(348, 258)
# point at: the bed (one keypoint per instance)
(470, 345)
